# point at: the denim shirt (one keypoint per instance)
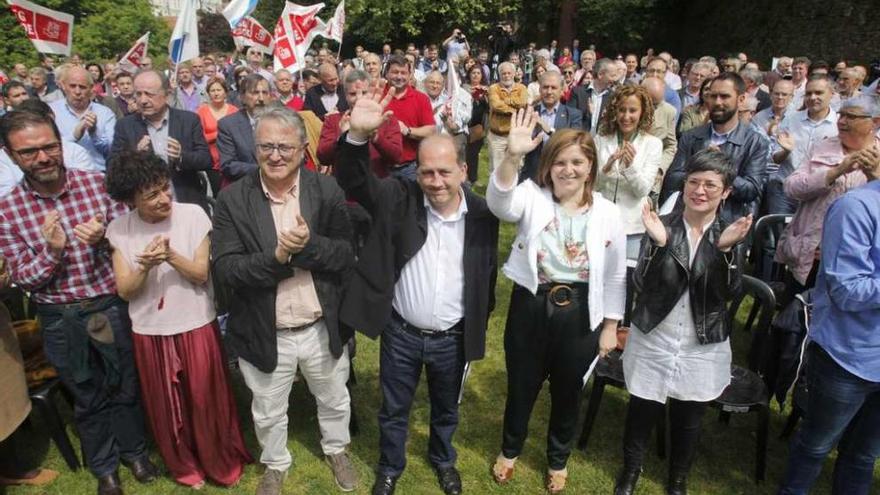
(846, 305)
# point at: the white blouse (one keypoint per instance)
(670, 361)
(628, 188)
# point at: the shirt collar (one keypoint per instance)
(831, 117)
(725, 135)
(458, 215)
(543, 110)
(292, 192)
(162, 122)
(25, 185)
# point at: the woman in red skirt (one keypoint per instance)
(160, 259)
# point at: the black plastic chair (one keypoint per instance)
(43, 400)
(609, 371)
(747, 391)
(767, 231)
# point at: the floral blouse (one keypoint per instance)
(562, 253)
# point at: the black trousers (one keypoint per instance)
(685, 419)
(472, 158)
(546, 342)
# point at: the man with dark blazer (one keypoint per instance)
(174, 135)
(327, 97)
(552, 116)
(597, 96)
(425, 281)
(281, 246)
(235, 133)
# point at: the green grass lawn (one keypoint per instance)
(724, 462)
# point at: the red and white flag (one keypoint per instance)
(49, 30)
(131, 61)
(336, 24)
(296, 28)
(249, 32)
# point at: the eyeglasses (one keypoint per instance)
(50, 149)
(568, 73)
(709, 187)
(285, 150)
(850, 115)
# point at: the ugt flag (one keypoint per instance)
(131, 61)
(249, 32)
(49, 30)
(238, 10)
(184, 43)
(296, 28)
(336, 24)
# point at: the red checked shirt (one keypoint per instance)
(82, 271)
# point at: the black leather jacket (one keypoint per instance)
(663, 274)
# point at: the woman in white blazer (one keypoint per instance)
(569, 267)
(629, 158)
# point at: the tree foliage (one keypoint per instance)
(102, 30)
(214, 33)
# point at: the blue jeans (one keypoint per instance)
(842, 408)
(402, 356)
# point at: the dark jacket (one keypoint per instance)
(764, 100)
(748, 152)
(243, 254)
(400, 227)
(313, 100)
(186, 128)
(663, 274)
(580, 99)
(235, 142)
(566, 118)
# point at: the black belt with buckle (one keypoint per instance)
(297, 328)
(456, 329)
(562, 295)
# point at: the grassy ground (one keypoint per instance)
(724, 464)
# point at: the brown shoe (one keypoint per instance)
(343, 470)
(503, 469)
(555, 480)
(270, 483)
(38, 477)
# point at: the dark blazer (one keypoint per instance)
(186, 128)
(399, 230)
(748, 152)
(566, 118)
(763, 100)
(243, 254)
(580, 99)
(235, 142)
(313, 100)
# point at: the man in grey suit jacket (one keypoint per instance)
(235, 133)
(553, 116)
(176, 136)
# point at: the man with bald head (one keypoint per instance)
(663, 127)
(80, 119)
(327, 97)
(425, 283)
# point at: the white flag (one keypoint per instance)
(131, 61)
(49, 30)
(238, 10)
(336, 24)
(184, 43)
(249, 32)
(296, 28)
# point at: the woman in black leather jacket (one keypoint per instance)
(689, 267)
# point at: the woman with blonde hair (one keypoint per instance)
(568, 265)
(629, 158)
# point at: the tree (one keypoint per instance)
(214, 33)
(102, 30)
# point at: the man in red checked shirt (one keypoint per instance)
(414, 115)
(52, 235)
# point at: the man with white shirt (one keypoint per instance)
(451, 112)
(592, 101)
(81, 120)
(425, 283)
(800, 69)
(327, 97)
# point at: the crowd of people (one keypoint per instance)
(137, 206)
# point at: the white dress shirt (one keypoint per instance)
(430, 291)
(596, 103)
(806, 133)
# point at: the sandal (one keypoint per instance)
(555, 480)
(503, 469)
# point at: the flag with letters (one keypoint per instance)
(336, 24)
(249, 32)
(49, 30)
(294, 33)
(131, 61)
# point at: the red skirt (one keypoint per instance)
(190, 407)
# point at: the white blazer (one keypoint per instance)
(633, 183)
(531, 208)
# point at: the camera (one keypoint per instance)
(460, 37)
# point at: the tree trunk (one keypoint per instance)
(567, 19)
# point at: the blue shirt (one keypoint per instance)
(671, 97)
(97, 143)
(846, 301)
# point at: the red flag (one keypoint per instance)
(296, 28)
(49, 30)
(249, 32)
